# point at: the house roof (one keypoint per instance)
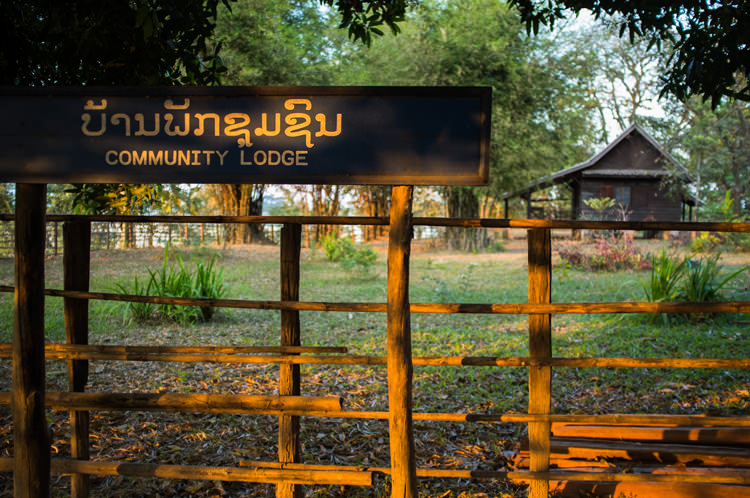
(565, 175)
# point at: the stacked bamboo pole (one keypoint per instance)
(76, 268)
(289, 376)
(30, 431)
(400, 423)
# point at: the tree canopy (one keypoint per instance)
(118, 42)
(710, 38)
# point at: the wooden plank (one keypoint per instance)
(145, 470)
(289, 376)
(193, 402)
(400, 368)
(144, 353)
(193, 349)
(447, 308)
(540, 347)
(730, 436)
(30, 431)
(573, 489)
(76, 267)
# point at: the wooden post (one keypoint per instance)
(76, 263)
(400, 369)
(289, 376)
(540, 347)
(30, 430)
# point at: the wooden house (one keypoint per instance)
(646, 183)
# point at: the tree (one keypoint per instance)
(266, 42)
(118, 42)
(622, 78)
(717, 142)
(539, 119)
(710, 38)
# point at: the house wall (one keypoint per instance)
(647, 201)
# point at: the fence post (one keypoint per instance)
(540, 347)
(400, 368)
(289, 376)
(76, 263)
(30, 431)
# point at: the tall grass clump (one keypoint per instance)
(693, 280)
(177, 280)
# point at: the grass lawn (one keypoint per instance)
(251, 272)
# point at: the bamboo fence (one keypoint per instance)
(32, 463)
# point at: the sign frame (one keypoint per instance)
(387, 136)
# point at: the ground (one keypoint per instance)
(436, 276)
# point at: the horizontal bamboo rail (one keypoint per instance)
(421, 221)
(272, 472)
(70, 351)
(225, 354)
(188, 402)
(729, 477)
(262, 475)
(583, 308)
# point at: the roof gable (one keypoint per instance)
(633, 153)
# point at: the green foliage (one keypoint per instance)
(267, 42)
(710, 241)
(177, 280)
(600, 205)
(363, 18)
(702, 282)
(666, 273)
(140, 312)
(119, 42)
(707, 60)
(349, 256)
(692, 280)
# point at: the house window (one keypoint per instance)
(622, 196)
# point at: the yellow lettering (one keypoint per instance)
(236, 121)
(321, 118)
(110, 157)
(155, 157)
(301, 158)
(140, 157)
(263, 129)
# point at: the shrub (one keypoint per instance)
(613, 252)
(349, 256)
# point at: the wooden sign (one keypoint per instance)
(318, 135)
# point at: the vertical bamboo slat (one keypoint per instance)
(540, 346)
(30, 431)
(400, 368)
(289, 379)
(76, 266)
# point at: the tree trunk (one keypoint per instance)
(462, 202)
(374, 200)
(241, 200)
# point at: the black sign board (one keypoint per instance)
(319, 135)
